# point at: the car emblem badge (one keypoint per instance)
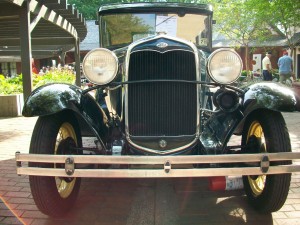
(162, 143)
(162, 45)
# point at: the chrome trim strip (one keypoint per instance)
(147, 172)
(179, 159)
(196, 53)
(156, 173)
(163, 152)
(150, 137)
(162, 52)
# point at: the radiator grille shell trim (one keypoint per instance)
(141, 139)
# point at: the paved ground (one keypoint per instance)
(135, 201)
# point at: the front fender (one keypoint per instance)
(266, 95)
(52, 98)
(269, 95)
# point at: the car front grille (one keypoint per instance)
(162, 108)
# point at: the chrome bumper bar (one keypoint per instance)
(170, 166)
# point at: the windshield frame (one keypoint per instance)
(157, 8)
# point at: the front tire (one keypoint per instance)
(54, 134)
(267, 129)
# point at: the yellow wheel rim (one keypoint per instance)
(65, 188)
(257, 183)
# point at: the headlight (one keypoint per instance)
(100, 66)
(224, 66)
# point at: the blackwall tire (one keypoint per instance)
(54, 196)
(267, 193)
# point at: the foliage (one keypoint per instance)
(89, 8)
(244, 73)
(237, 20)
(11, 85)
(282, 15)
(61, 76)
(15, 85)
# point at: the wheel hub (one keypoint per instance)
(65, 146)
(254, 145)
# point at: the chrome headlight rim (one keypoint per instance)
(114, 58)
(210, 65)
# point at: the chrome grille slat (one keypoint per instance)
(162, 109)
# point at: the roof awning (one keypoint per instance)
(54, 27)
(39, 29)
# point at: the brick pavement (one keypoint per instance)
(135, 201)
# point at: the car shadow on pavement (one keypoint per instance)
(157, 202)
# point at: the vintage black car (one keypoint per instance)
(162, 105)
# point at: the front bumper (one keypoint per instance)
(166, 166)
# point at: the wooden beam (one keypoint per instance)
(47, 2)
(62, 57)
(77, 62)
(50, 16)
(9, 10)
(34, 54)
(17, 2)
(55, 4)
(53, 27)
(42, 12)
(26, 49)
(67, 12)
(38, 41)
(71, 8)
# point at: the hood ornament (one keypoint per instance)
(162, 45)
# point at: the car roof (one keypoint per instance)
(144, 7)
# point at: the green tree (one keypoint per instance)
(88, 8)
(238, 21)
(282, 14)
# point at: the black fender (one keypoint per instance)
(269, 95)
(266, 96)
(54, 98)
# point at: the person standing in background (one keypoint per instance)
(285, 65)
(267, 67)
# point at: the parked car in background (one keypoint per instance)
(168, 100)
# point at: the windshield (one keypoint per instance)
(119, 30)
